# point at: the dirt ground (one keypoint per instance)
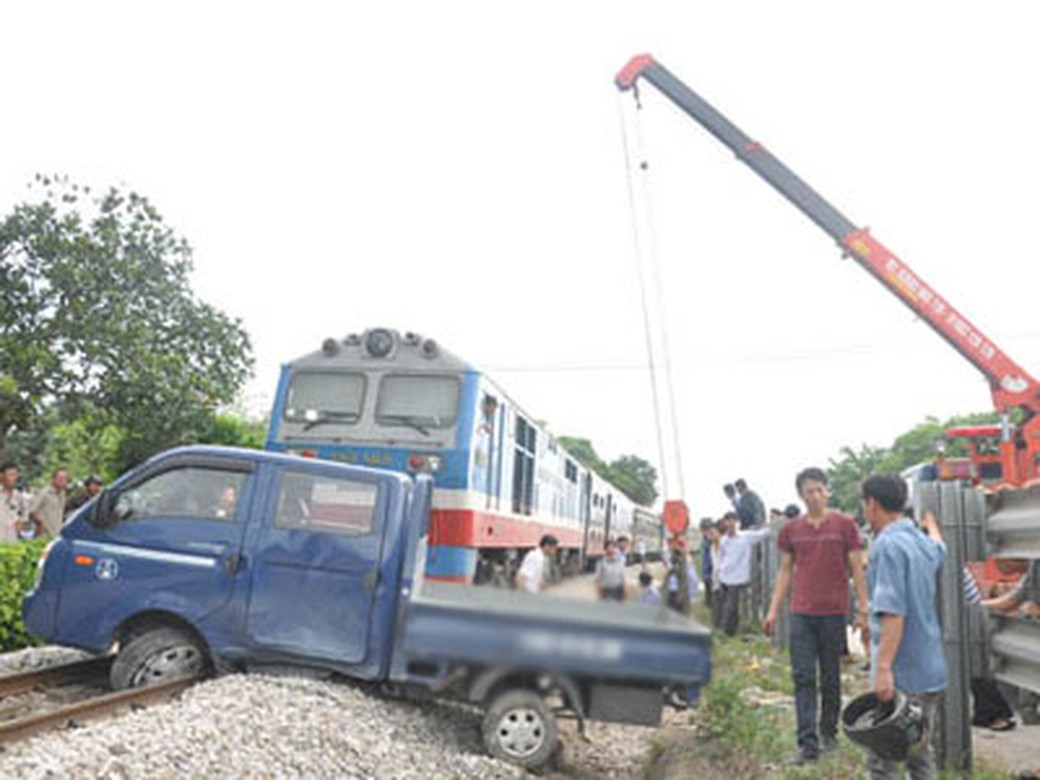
(1011, 751)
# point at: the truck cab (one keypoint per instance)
(234, 555)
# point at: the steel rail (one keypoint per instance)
(75, 672)
(88, 709)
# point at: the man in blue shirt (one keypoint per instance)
(906, 641)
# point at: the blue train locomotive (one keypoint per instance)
(402, 402)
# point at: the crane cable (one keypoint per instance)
(646, 256)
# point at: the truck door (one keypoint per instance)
(171, 540)
(315, 566)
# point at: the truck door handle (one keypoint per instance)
(370, 580)
(232, 562)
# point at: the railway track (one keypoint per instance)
(52, 682)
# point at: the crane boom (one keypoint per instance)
(1010, 385)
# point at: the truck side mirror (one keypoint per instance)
(103, 513)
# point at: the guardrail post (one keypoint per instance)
(958, 509)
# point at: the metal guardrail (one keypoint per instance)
(1016, 648)
(1013, 525)
(1013, 531)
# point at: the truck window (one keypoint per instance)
(418, 401)
(322, 504)
(315, 397)
(189, 492)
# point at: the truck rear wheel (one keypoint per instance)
(519, 727)
(156, 656)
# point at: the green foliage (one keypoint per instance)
(233, 430)
(917, 445)
(583, 450)
(635, 477)
(17, 573)
(632, 475)
(96, 312)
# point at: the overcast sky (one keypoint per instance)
(457, 169)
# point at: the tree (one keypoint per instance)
(233, 430)
(636, 478)
(96, 313)
(845, 474)
(915, 446)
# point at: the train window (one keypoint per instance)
(523, 466)
(418, 401)
(315, 397)
(570, 471)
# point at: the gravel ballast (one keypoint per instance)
(264, 726)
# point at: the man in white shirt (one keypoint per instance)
(734, 568)
(531, 577)
(14, 507)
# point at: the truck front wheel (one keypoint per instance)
(156, 656)
(520, 728)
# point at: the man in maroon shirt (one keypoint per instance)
(819, 551)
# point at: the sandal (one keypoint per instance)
(1002, 724)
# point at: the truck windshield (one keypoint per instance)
(418, 401)
(316, 398)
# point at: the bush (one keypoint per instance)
(17, 573)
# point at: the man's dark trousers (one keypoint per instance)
(816, 641)
(732, 595)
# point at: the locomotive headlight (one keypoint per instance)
(429, 348)
(379, 342)
(429, 464)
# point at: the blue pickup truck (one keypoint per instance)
(207, 559)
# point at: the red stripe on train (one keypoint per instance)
(462, 578)
(472, 528)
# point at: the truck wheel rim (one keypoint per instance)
(178, 661)
(521, 732)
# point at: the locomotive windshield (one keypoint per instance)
(314, 398)
(418, 401)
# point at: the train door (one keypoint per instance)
(495, 468)
(585, 512)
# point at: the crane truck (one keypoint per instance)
(1007, 453)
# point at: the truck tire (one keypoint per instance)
(520, 728)
(156, 656)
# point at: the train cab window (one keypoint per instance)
(330, 505)
(315, 398)
(419, 401)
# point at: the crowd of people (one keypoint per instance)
(877, 578)
(40, 514)
(893, 572)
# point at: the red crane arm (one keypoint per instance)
(1010, 385)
